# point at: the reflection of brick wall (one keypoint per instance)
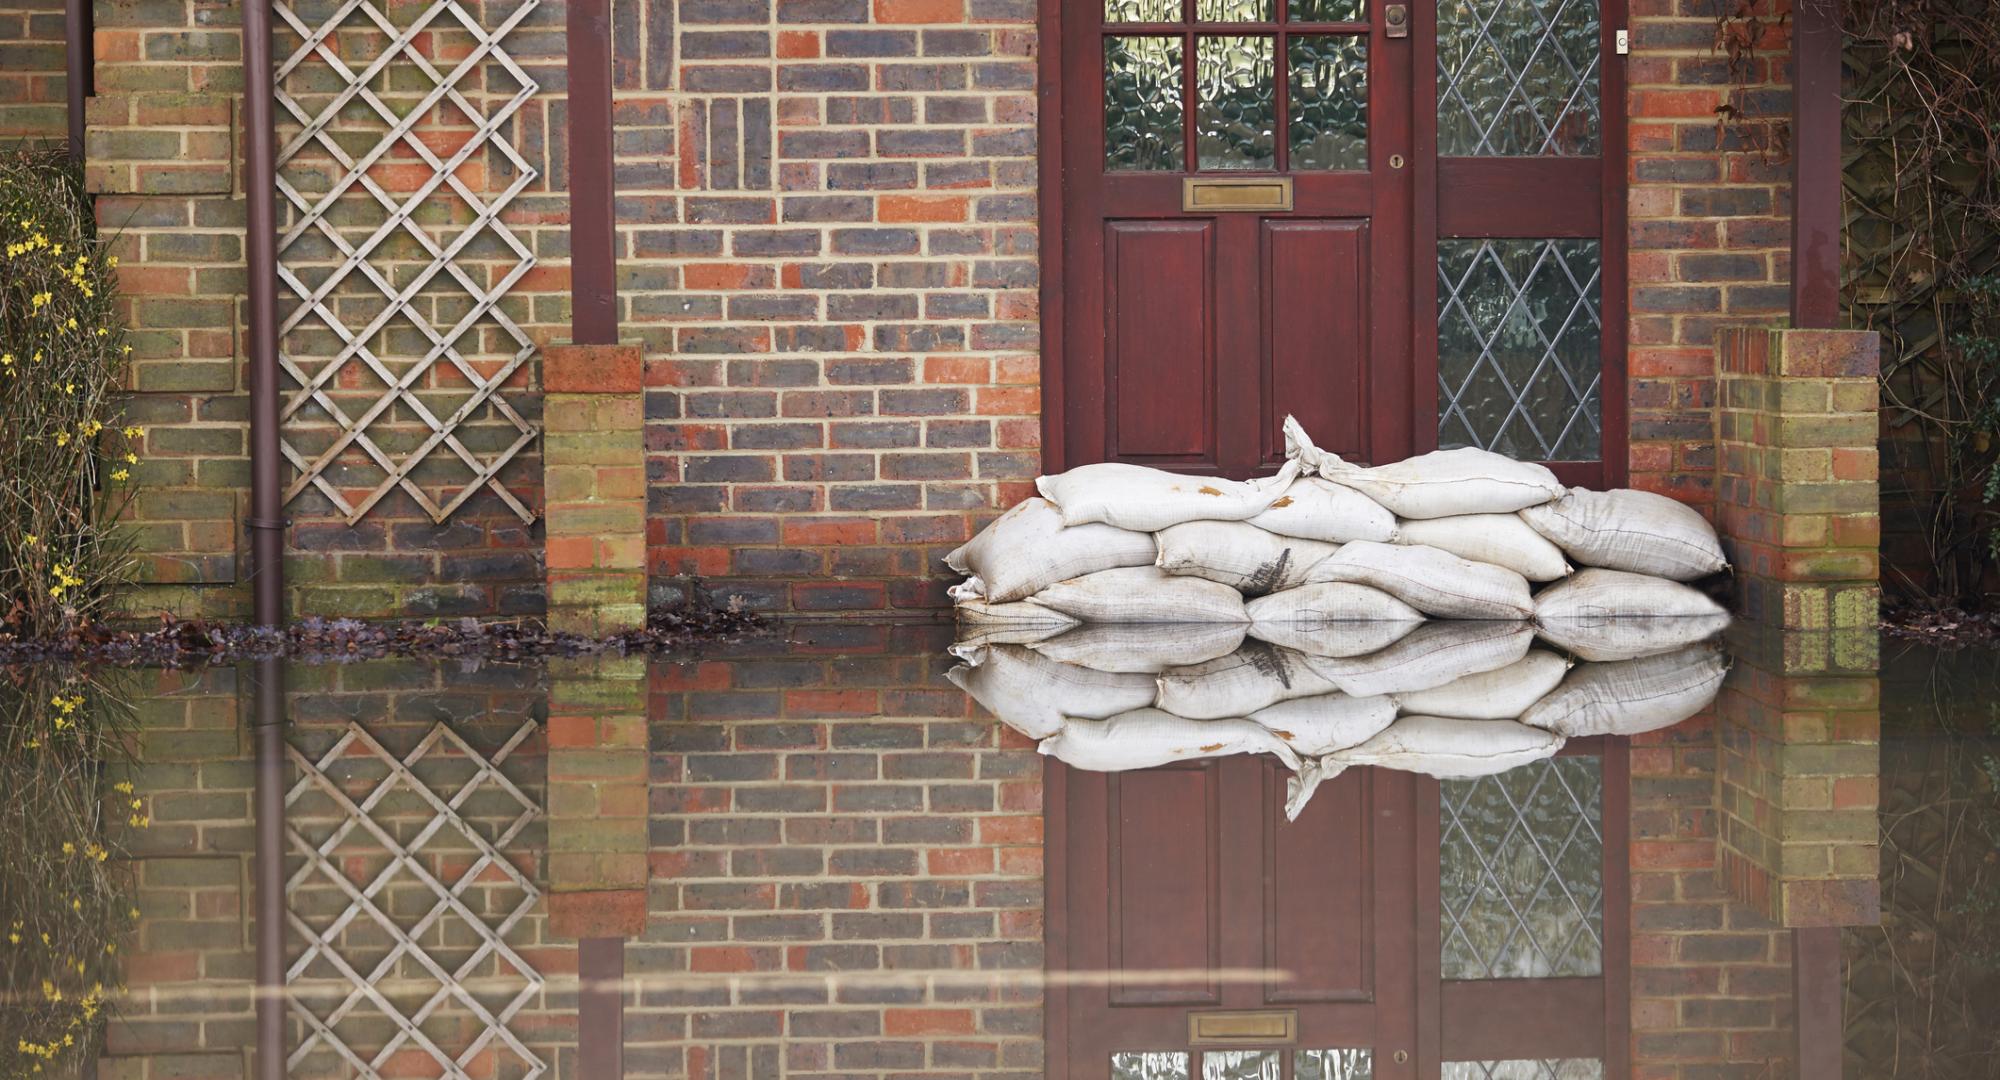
(32, 79)
(846, 875)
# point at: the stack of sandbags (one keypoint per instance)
(1337, 560)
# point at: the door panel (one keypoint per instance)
(1318, 885)
(1158, 341)
(1316, 333)
(1164, 903)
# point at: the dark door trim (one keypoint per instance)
(1052, 221)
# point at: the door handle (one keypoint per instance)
(1396, 21)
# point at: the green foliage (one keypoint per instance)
(65, 462)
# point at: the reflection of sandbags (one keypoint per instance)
(1432, 581)
(1435, 746)
(1616, 594)
(1248, 679)
(1430, 656)
(1018, 623)
(1331, 618)
(1502, 694)
(1500, 539)
(1148, 500)
(1602, 640)
(1335, 639)
(1315, 509)
(1032, 694)
(1147, 648)
(1438, 484)
(1239, 555)
(1631, 530)
(1147, 737)
(1329, 722)
(1632, 696)
(1028, 547)
(1144, 594)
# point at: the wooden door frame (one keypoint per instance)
(1614, 297)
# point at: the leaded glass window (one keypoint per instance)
(1149, 1065)
(1520, 334)
(1522, 873)
(1142, 104)
(1241, 1065)
(1237, 117)
(1333, 1065)
(1327, 106)
(1518, 79)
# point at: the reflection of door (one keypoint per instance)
(1403, 927)
(1237, 236)
(1213, 938)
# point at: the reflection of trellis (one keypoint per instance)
(1919, 986)
(1521, 868)
(320, 213)
(515, 983)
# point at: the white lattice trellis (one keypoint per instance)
(325, 859)
(359, 262)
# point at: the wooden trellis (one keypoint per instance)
(326, 859)
(361, 265)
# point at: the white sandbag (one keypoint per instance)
(1239, 555)
(1441, 483)
(1631, 530)
(1320, 725)
(1434, 746)
(1145, 738)
(1499, 539)
(1432, 581)
(1144, 594)
(1033, 694)
(1316, 509)
(1330, 602)
(1142, 648)
(1255, 675)
(1335, 639)
(1432, 655)
(1016, 623)
(1632, 696)
(1029, 547)
(1603, 640)
(1501, 694)
(1148, 500)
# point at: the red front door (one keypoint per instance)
(1237, 241)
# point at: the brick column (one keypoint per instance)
(594, 472)
(1800, 740)
(1797, 499)
(597, 797)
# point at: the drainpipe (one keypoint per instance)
(78, 70)
(267, 536)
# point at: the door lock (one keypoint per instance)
(1396, 20)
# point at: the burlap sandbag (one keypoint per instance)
(1144, 594)
(1238, 554)
(1500, 539)
(1148, 500)
(1606, 640)
(1028, 548)
(1146, 738)
(1432, 581)
(1630, 697)
(1430, 656)
(1032, 693)
(1017, 623)
(1604, 615)
(1316, 509)
(1434, 746)
(1320, 725)
(1501, 694)
(1631, 530)
(1144, 648)
(1439, 484)
(1255, 675)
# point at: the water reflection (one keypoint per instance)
(820, 853)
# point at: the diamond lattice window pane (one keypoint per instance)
(1522, 872)
(1517, 78)
(1524, 1069)
(1520, 335)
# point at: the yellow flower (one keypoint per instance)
(123, 787)
(131, 458)
(69, 848)
(121, 474)
(32, 539)
(6, 359)
(112, 262)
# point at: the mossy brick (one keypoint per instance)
(1813, 466)
(200, 441)
(376, 568)
(182, 313)
(191, 376)
(596, 518)
(184, 504)
(1839, 564)
(1830, 430)
(144, 78)
(191, 873)
(359, 602)
(182, 179)
(134, 144)
(1797, 396)
(1831, 759)
(1856, 395)
(596, 589)
(1834, 497)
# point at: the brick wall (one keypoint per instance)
(33, 86)
(1710, 228)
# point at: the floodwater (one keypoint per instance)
(816, 853)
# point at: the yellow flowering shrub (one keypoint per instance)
(65, 451)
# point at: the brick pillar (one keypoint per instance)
(1800, 740)
(597, 797)
(594, 472)
(1797, 497)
